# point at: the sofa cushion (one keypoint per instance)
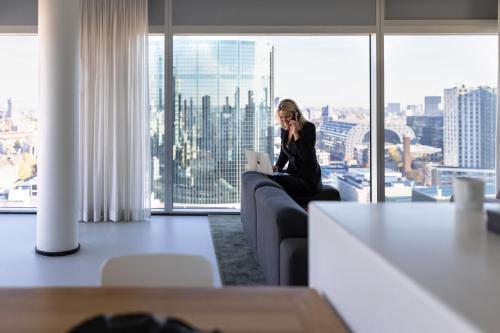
(250, 181)
(278, 218)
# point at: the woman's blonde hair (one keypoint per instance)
(290, 108)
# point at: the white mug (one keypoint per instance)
(468, 194)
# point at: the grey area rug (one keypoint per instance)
(237, 264)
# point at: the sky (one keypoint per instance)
(420, 66)
(316, 71)
(319, 70)
(335, 70)
(19, 70)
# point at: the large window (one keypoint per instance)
(440, 116)
(18, 120)
(226, 92)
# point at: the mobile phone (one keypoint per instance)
(297, 115)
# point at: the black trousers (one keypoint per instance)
(295, 186)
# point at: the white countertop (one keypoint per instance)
(451, 256)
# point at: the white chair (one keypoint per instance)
(157, 270)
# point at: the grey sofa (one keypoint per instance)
(281, 237)
(276, 226)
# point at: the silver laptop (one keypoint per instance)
(260, 162)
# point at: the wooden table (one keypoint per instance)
(229, 309)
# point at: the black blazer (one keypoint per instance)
(301, 156)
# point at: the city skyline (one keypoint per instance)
(421, 66)
(225, 94)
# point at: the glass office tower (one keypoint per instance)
(222, 105)
(157, 120)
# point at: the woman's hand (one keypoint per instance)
(294, 129)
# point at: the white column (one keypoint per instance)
(58, 29)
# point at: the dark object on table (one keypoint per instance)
(493, 219)
(134, 323)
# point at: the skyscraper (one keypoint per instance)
(325, 113)
(157, 119)
(393, 108)
(9, 109)
(222, 108)
(276, 102)
(432, 105)
(469, 127)
(428, 130)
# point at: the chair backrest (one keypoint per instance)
(157, 270)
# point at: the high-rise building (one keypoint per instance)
(222, 108)
(414, 110)
(428, 130)
(276, 102)
(334, 135)
(325, 113)
(432, 105)
(469, 127)
(393, 108)
(9, 109)
(157, 119)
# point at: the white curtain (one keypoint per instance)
(114, 122)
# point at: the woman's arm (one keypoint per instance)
(305, 144)
(280, 163)
(282, 158)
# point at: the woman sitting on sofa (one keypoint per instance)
(298, 138)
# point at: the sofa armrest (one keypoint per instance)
(278, 218)
(294, 262)
(277, 210)
(250, 182)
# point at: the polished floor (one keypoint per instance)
(21, 267)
